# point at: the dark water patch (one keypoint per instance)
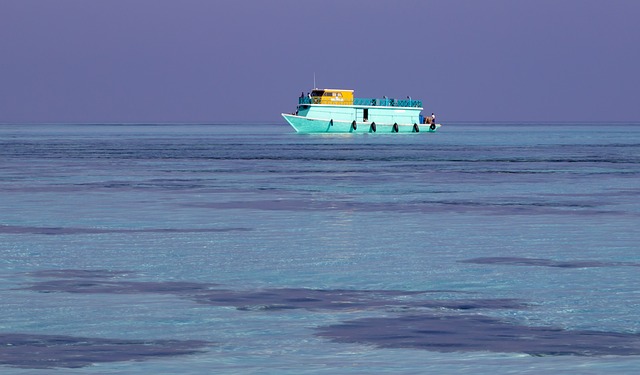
(281, 299)
(319, 299)
(539, 262)
(598, 195)
(16, 229)
(81, 274)
(316, 299)
(153, 184)
(112, 186)
(273, 299)
(472, 304)
(470, 333)
(423, 206)
(267, 308)
(117, 287)
(52, 351)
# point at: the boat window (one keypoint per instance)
(317, 92)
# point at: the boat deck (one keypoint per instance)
(373, 102)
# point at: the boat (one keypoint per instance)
(337, 111)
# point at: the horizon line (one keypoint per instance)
(265, 122)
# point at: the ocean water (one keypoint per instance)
(195, 249)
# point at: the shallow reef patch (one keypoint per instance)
(466, 333)
(55, 351)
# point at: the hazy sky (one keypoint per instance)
(213, 61)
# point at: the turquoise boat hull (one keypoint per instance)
(303, 124)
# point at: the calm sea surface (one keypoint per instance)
(195, 249)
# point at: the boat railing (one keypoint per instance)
(376, 102)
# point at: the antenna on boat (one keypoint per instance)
(314, 80)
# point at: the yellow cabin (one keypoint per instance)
(332, 96)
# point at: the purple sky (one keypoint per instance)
(212, 61)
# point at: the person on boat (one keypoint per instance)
(433, 118)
